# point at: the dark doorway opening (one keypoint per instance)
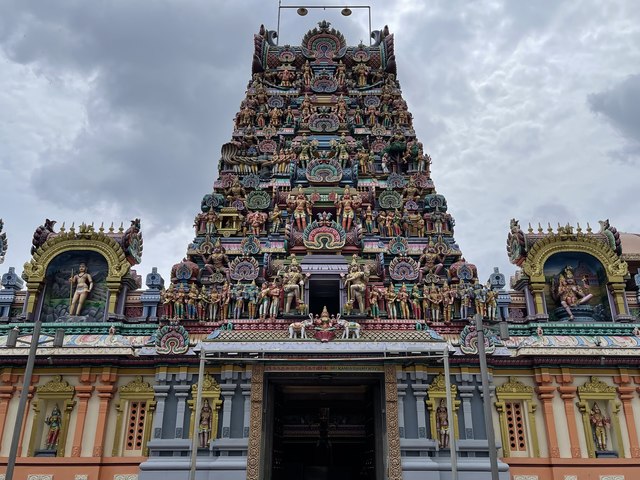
(324, 293)
(325, 431)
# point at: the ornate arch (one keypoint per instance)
(118, 266)
(533, 266)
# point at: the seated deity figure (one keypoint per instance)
(84, 285)
(356, 284)
(570, 293)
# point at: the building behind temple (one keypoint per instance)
(324, 283)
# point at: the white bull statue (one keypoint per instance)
(349, 329)
(299, 329)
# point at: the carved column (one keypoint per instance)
(394, 466)
(246, 393)
(545, 394)
(181, 393)
(6, 393)
(83, 392)
(568, 395)
(255, 429)
(227, 392)
(26, 414)
(626, 395)
(466, 394)
(105, 393)
(402, 392)
(160, 393)
(618, 293)
(537, 289)
(420, 392)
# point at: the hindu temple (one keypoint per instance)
(323, 321)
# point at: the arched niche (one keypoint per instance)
(583, 266)
(58, 290)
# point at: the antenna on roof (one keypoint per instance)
(303, 10)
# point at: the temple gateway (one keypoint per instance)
(323, 323)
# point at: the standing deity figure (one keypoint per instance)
(435, 301)
(356, 283)
(214, 304)
(204, 424)
(238, 297)
(426, 303)
(167, 298)
(201, 306)
(374, 303)
(346, 207)
(192, 300)
(416, 298)
(341, 73)
(465, 292)
(178, 302)
(599, 423)
(225, 299)
(54, 422)
(263, 301)
(276, 219)
(274, 293)
(448, 297)
(363, 160)
(403, 300)
(293, 281)
(368, 219)
(480, 296)
(492, 303)
(251, 296)
(305, 151)
(84, 285)
(307, 74)
(301, 208)
(391, 297)
(361, 70)
(442, 424)
(570, 293)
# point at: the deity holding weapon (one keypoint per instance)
(599, 423)
(570, 293)
(356, 283)
(204, 424)
(84, 285)
(293, 281)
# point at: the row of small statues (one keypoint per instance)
(429, 302)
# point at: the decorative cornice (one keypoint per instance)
(137, 386)
(514, 386)
(56, 385)
(595, 385)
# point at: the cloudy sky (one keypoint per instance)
(116, 109)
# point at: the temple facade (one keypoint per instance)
(309, 328)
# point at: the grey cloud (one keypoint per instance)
(620, 106)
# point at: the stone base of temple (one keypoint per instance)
(439, 468)
(553, 468)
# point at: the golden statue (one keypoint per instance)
(599, 423)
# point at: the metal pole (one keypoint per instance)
(453, 448)
(22, 404)
(196, 418)
(486, 393)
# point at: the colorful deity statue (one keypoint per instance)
(276, 219)
(426, 304)
(492, 303)
(390, 297)
(256, 222)
(448, 297)
(263, 301)
(54, 422)
(374, 303)
(225, 299)
(84, 284)
(179, 300)
(293, 281)
(368, 219)
(307, 75)
(214, 303)
(416, 299)
(435, 302)
(363, 160)
(301, 207)
(274, 293)
(237, 295)
(362, 71)
(430, 261)
(202, 304)
(235, 191)
(442, 424)
(356, 283)
(251, 297)
(192, 300)
(480, 298)
(204, 423)
(341, 74)
(403, 302)
(465, 292)
(346, 207)
(570, 293)
(599, 423)
(217, 261)
(167, 297)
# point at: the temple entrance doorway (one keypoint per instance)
(324, 292)
(324, 427)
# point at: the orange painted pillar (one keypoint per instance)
(545, 393)
(6, 393)
(83, 392)
(568, 394)
(626, 395)
(32, 390)
(105, 392)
